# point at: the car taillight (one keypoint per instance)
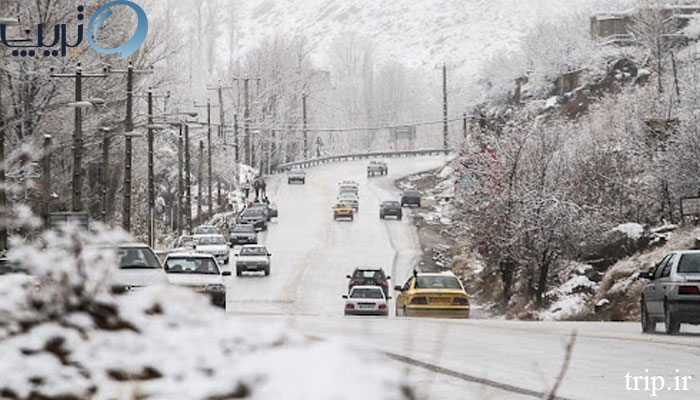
(419, 300)
(349, 305)
(689, 290)
(382, 306)
(352, 282)
(460, 301)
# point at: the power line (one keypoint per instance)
(295, 128)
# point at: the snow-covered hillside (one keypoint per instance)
(462, 33)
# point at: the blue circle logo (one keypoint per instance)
(132, 44)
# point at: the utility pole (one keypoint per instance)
(444, 107)
(77, 183)
(151, 183)
(247, 144)
(129, 127)
(46, 170)
(199, 182)
(235, 138)
(209, 147)
(105, 173)
(464, 125)
(303, 117)
(188, 182)
(3, 186)
(179, 183)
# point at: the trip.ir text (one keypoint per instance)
(656, 383)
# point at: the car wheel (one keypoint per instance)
(673, 325)
(648, 325)
(238, 271)
(418, 205)
(402, 204)
(399, 217)
(267, 271)
(381, 216)
(352, 218)
(303, 182)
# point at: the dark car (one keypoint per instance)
(392, 208)
(369, 277)
(255, 217)
(409, 197)
(270, 210)
(243, 234)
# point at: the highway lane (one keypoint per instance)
(312, 254)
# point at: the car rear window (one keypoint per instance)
(253, 251)
(437, 282)
(211, 240)
(368, 274)
(191, 265)
(137, 258)
(689, 264)
(243, 228)
(366, 293)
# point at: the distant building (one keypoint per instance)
(617, 27)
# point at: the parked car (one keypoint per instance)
(438, 294)
(215, 245)
(185, 243)
(263, 208)
(343, 210)
(138, 267)
(410, 196)
(369, 277)
(243, 234)
(392, 208)
(366, 300)
(270, 210)
(199, 271)
(377, 167)
(296, 175)
(672, 293)
(253, 258)
(255, 217)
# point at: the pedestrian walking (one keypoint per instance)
(263, 188)
(256, 186)
(246, 188)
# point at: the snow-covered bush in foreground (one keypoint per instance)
(64, 335)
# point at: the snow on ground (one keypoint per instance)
(632, 230)
(73, 339)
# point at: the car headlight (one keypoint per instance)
(217, 287)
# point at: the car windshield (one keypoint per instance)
(366, 293)
(253, 251)
(411, 193)
(343, 205)
(689, 264)
(244, 228)
(348, 197)
(205, 230)
(368, 274)
(211, 240)
(137, 258)
(437, 282)
(191, 265)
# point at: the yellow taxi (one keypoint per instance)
(438, 294)
(343, 210)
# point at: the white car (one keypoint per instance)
(204, 230)
(138, 267)
(350, 198)
(253, 258)
(198, 271)
(348, 186)
(215, 245)
(366, 300)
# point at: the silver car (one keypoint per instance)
(672, 294)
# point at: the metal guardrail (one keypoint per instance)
(359, 156)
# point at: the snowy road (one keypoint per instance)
(463, 359)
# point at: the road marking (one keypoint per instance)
(470, 378)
